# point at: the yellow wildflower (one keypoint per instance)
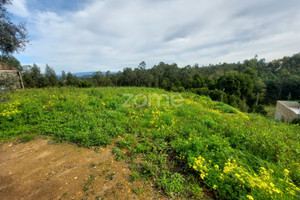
(250, 197)
(277, 191)
(292, 192)
(286, 172)
(202, 175)
(237, 175)
(215, 187)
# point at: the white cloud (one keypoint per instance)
(18, 8)
(111, 34)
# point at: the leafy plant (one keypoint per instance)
(171, 183)
(134, 177)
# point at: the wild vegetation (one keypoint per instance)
(248, 86)
(182, 147)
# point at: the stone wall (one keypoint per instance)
(13, 77)
(287, 111)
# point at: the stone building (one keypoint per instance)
(10, 76)
(287, 110)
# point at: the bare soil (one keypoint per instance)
(43, 170)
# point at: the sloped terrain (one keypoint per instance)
(187, 145)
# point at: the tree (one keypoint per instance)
(33, 78)
(37, 76)
(142, 65)
(63, 78)
(98, 79)
(26, 75)
(72, 80)
(51, 77)
(129, 77)
(13, 37)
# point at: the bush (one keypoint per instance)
(217, 95)
(260, 110)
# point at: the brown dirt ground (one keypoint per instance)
(41, 170)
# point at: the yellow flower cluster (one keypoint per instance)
(132, 114)
(250, 197)
(262, 181)
(214, 111)
(156, 115)
(244, 116)
(10, 109)
(51, 101)
(189, 101)
(201, 166)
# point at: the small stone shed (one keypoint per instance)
(287, 110)
(11, 75)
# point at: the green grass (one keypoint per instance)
(236, 155)
(271, 110)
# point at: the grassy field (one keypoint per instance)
(182, 146)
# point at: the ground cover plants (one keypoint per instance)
(199, 143)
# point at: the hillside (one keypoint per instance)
(189, 149)
(249, 85)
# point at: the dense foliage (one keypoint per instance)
(246, 85)
(180, 148)
(13, 37)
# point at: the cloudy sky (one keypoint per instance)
(93, 35)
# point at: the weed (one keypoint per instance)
(27, 138)
(171, 183)
(64, 195)
(133, 167)
(90, 180)
(137, 191)
(134, 177)
(120, 186)
(110, 176)
(97, 149)
(147, 170)
(118, 153)
(99, 197)
(93, 165)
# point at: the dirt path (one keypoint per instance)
(40, 170)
